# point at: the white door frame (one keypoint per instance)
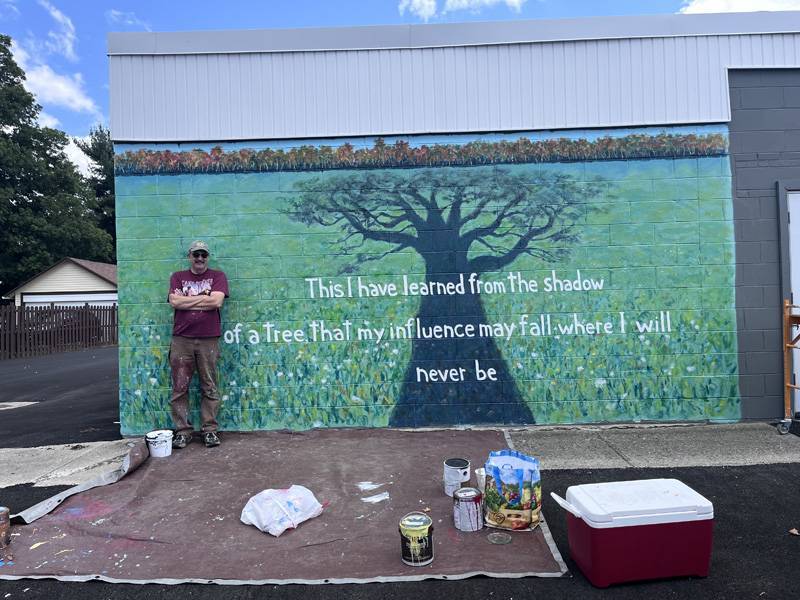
(789, 204)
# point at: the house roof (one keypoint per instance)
(105, 271)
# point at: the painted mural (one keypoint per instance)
(538, 278)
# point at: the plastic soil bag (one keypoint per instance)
(275, 511)
(513, 496)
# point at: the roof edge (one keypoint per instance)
(450, 34)
(11, 293)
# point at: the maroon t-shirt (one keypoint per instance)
(197, 323)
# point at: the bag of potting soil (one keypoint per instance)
(513, 497)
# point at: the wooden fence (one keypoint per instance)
(37, 330)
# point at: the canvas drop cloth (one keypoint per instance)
(176, 519)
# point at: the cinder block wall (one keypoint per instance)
(765, 148)
(651, 222)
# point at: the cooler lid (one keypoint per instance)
(639, 502)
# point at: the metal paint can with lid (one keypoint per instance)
(456, 473)
(468, 509)
(416, 539)
(5, 526)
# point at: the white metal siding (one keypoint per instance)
(550, 85)
(67, 277)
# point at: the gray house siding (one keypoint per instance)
(438, 79)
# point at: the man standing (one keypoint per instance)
(196, 295)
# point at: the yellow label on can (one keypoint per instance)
(417, 548)
(415, 524)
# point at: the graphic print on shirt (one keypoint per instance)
(195, 288)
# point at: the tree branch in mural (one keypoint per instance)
(460, 221)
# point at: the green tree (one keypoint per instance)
(47, 210)
(101, 150)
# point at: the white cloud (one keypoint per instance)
(424, 9)
(21, 56)
(54, 89)
(62, 41)
(477, 5)
(8, 9)
(47, 120)
(77, 157)
(722, 6)
(129, 19)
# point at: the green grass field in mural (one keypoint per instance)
(651, 239)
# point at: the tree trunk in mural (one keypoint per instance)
(493, 400)
(461, 221)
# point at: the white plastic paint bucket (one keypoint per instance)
(456, 473)
(159, 442)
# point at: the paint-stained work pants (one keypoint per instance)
(186, 355)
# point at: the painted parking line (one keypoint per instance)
(12, 405)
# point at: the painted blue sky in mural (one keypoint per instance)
(61, 44)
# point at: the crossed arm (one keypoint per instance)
(212, 301)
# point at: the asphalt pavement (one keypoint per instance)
(74, 398)
(749, 472)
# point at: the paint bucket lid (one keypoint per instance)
(457, 463)
(415, 522)
(466, 493)
(499, 538)
(159, 434)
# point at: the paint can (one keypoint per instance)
(456, 473)
(468, 509)
(416, 539)
(5, 526)
(159, 442)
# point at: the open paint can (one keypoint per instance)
(159, 442)
(416, 539)
(456, 473)
(468, 509)
(5, 527)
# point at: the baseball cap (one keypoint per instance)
(198, 245)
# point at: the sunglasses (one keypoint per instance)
(200, 253)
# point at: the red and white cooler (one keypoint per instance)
(632, 530)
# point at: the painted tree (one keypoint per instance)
(460, 221)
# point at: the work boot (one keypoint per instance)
(181, 441)
(211, 439)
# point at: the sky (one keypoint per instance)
(61, 44)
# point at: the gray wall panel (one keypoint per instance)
(443, 35)
(551, 85)
(761, 157)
